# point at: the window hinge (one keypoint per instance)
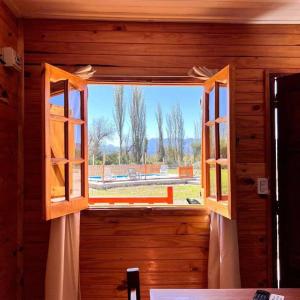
(276, 101)
(277, 207)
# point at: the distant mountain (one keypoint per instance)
(109, 148)
(152, 146)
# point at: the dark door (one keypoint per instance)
(288, 103)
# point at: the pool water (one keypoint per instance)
(95, 178)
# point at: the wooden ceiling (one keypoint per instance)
(216, 11)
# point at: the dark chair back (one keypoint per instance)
(133, 284)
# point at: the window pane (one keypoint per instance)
(211, 105)
(57, 139)
(212, 144)
(212, 181)
(74, 103)
(57, 98)
(223, 138)
(224, 180)
(76, 177)
(75, 151)
(57, 182)
(223, 99)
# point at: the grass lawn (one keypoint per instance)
(181, 191)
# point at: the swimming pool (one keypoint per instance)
(122, 177)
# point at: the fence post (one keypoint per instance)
(170, 195)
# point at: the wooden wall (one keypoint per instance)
(152, 49)
(169, 247)
(10, 169)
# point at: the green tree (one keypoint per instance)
(119, 115)
(137, 113)
(100, 130)
(159, 121)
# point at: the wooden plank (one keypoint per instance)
(249, 109)
(162, 38)
(79, 25)
(145, 241)
(148, 279)
(162, 61)
(148, 229)
(161, 266)
(97, 48)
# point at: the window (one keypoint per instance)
(144, 144)
(218, 144)
(65, 148)
(69, 172)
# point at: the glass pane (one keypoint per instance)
(212, 147)
(57, 139)
(211, 105)
(75, 150)
(57, 98)
(74, 103)
(224, 180)
(76, 177)
(57, 182)
(212, 181)
(223, 99)
(223, 138)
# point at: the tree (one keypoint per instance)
(159, 121)
(196, 145)
(100, 130)
(180, 133)
(127, 148)
(171, 138)
(137, 112)
(176, 134)
(119, 116)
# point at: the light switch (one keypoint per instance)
(262, 186)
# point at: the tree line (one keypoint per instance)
(133, 144)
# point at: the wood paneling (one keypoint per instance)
(169, 247)
(227, 11)
(10, 162)
(133, 49)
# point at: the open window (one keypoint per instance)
(218, 151)
(65, 185)
(144, 144)
(69, 171)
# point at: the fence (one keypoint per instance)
(186, 172)
(122, 170)
(133, 200)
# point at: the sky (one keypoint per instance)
(101, 103)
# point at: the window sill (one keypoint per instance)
(168, 209)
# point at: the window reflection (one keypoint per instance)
(57, 182)
(223, 100)
(212, 181)
(211, 105)
(224, 180)
(57, 139)
(57, 98)
(76, 176)
(212, 142)
(223, 139)
(76, 135)
(75, 103)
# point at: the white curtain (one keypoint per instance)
(223, 257)
(62, 272)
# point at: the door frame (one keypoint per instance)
(269, 76)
